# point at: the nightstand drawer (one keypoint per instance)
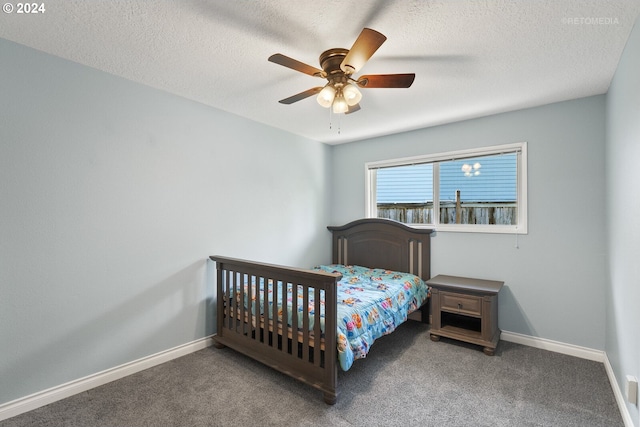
(458, 303)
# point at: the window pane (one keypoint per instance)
(481, 190)
(405, 193)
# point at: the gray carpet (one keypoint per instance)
(407, 380)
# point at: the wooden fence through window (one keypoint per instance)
(493, 213)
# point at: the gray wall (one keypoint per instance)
(623, 225)
(555, 281)
(112, 195)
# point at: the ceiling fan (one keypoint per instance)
(338, 66)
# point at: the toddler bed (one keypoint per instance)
(307, 323)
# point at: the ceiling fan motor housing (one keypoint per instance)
(331, 59)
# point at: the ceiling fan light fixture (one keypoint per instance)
(340, 104)
(351, 94)
(326, 96)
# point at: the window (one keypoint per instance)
(479, 190)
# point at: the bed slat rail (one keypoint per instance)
(247, 323)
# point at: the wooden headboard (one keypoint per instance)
(383, 243)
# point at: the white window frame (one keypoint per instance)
(520, 148)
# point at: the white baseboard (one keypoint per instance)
(45, 397)
(620, 400)
(555, 346)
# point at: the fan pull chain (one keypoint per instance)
(331, 120)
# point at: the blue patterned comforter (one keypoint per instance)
(372, 303)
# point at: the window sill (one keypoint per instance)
(465, 228)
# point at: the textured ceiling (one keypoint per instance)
(471, 58)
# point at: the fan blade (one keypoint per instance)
(386, 80)
(285, 61)
(353, 109)
(302, 95)
(365, 45)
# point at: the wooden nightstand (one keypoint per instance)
(465, 309)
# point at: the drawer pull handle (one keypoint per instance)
(459, 306)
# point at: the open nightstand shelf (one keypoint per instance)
(465, 309)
